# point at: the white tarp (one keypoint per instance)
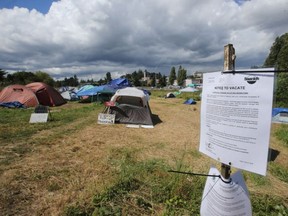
(189, 89)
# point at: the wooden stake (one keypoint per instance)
(229, 64)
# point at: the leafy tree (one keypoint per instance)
(23, 77)
(135, 79)
(100, 82)
(76, 81)
(172, 76)
(44, 77)
(278, 58)
(71, 81)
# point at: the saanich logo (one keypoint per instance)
(251, 79)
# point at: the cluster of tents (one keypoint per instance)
(187, 89)
(95, 93)
(39, 93)
(129, 104)
(30, 95)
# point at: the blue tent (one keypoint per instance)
(190, 101)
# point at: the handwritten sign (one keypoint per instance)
(106, 118)
(236, 118)
(39, 117)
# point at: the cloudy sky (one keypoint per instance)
(90, 38)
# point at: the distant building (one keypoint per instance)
(175, 83)
(187, 82)
(198, 78)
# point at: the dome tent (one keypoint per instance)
(19, 93)
(47, 95)
(131, 107)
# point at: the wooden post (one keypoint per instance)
(229, 57)
(229, 64)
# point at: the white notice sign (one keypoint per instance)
(236, 114)
(106, 118)
(39, 117)
(225, 199)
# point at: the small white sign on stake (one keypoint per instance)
(39, 118)
(104, 118)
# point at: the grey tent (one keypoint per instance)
(131, 107)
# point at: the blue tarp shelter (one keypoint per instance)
(123, 82)
(280, 115)
(190, 101)
(276, 111)
(104, 89)
(14, 104)
(81, 90)
(110, 88)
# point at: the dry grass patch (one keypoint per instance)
(78, 166)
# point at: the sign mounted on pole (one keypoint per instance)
(236, 118)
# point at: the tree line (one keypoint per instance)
(278, 58)
(136, 78)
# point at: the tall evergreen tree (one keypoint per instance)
(2, 75)
(108, 77)
(182, 75)
(172, 76)
(162, 81)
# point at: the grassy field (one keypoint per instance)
(74, 166)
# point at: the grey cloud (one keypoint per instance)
(93, 37)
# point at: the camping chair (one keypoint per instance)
(108, 105)
(43, 109)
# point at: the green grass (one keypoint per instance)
(256, 179)
(146, 188)
(16, 131)
(15, 124)
(267, 205)
(279, 171)
(137, 187)
(282, 134)
(184, 95)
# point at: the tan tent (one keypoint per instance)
(19, 93)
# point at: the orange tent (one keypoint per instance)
(19, 93)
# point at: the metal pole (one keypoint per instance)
(229, 64)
